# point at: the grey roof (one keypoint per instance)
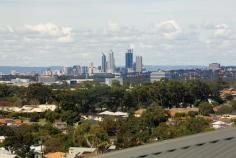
(216, 144)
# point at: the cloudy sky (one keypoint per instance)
(164, 32)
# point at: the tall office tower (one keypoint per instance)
(104, 63)
(214, 66)
(84, 70)
(91, 69)
(67, 71)
(139, 64)
(76, 70)
(129, 59)
(111, 63)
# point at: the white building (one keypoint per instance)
(108, 81)
(6, 154)
(91, 69)
(111, 63)
(214, 66)
(158, 75)
(46, 79)
(79, 151)
(139, 64)
(221, 124)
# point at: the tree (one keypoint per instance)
(154, 116)
(19, 141)
(38, 92)
(90, 135)
(109, 124)
(55, 143)
(205, 109)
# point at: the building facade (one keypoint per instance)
(158, 75)
(129, 59)
(111, 63)
(104, 63)
(139, 64)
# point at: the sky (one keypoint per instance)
(77, 32)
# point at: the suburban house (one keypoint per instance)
(80, 152)
(173, 111)
(62, 126)
(221, 124)
(2, 139)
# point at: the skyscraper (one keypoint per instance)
(111, 63)
(139, 64)
(104, 63)
(129, 59)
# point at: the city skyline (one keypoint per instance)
(59, 32)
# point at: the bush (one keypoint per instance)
(192, 113)
(224, 110)
(233, 103)
(205, 109)
(180, 114)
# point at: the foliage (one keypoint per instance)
(224, 110)
(233, 103)
(205, 108)
(19, 141)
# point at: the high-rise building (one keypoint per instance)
(111, 63)
(214, 66)
(139, 64)
(67, 71)
(76, 70)
(91, 69)
(129, 59)
(84, 70)
(104, 63)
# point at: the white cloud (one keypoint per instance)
(6, 29)
(61, 33)
(113, 26)
(169, 28)
(53, 43)
(50, 29)
(223, 31)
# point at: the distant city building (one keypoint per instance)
(108, 81)
(84, 70)
(46, 79)
(104, 63)
(19, 80)
(76, 70)
(91, 69)
(139, 64)
(157, 76)
(111, 63)
(214, 66)
(48, 72)
(129, 59)
(78, 81)
(67, 71)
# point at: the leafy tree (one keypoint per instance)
(205, 108)
(110, 125)
(55, 144)
(154, 115)
(19, 141)
(39, 92)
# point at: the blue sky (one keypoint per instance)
(164, 32)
